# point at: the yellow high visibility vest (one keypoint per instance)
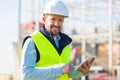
(49, 57)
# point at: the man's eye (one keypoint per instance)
(53, 19)
(60, 20)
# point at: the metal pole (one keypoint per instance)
(19, 19)
(110, 36)
(118, 62)
(37, 14)
(94, 12)
(17, 75)
(33, 10)
(83, 38)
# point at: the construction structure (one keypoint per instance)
(93, 24)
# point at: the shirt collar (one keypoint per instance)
(48, 33)
(57, 37)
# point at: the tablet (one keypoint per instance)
(91, 58)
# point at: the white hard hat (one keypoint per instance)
(56, 7)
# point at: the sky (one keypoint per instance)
(8, 34)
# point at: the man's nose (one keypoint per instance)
(57, 23)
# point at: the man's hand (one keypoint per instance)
(66, 69)
(86, 67)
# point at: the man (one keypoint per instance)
(46, 53)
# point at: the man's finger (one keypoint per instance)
(92, 60)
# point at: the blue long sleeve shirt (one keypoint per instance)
(30, 72)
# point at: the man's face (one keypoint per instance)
(53, 23)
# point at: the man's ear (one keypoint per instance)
(44, 19)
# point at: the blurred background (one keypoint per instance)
(94, 25)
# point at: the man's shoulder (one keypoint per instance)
(25, 38)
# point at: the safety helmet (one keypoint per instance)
(56, 7)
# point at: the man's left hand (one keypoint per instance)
(86, 67)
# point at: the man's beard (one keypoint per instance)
(55, 30)
(54, 34)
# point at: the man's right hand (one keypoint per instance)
(66, 69)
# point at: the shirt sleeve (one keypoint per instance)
(28, 61)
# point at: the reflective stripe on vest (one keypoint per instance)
(49, 57)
